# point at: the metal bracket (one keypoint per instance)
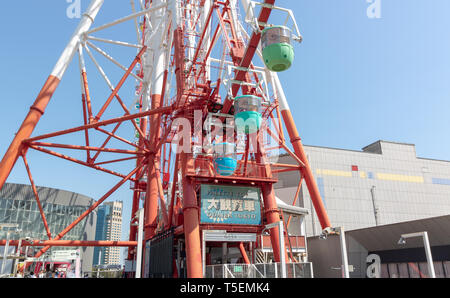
(252, 20)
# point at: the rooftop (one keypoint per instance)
(373, 148)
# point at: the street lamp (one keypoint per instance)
(345, 268)
(279, 224)
(6, 248)
(426, 244)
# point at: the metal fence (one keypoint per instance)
(204, 166)
(267, 270)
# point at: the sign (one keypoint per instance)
(238, 269)
(374, 269)
(221, 204)
(223, 236)
(65, 255)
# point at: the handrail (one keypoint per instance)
(256, 269)
(226, 267)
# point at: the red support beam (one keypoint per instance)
(76, 147)
(163, 110)
(173, 191)
(306, 170)
(38, 201)
(191, 222)
(121, 82)
(87, 212)
(70, 243)
(86, 132)
(245, 63)
(62, 156)
(119, 138)
(244, 253)
(27, 128)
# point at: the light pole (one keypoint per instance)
(282, 247)
(5, 253)
(16, 261)
(139, 246)
(426, 243)
(6, 248)
(344, 257)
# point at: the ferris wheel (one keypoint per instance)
(193, 105)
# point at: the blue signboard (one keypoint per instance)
(221, 204)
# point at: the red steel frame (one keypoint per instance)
(151, 154)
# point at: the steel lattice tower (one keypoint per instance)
(194, 59)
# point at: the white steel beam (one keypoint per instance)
(68, 53)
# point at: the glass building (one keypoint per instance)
(18, 206)
(103, 214)
(109, 227)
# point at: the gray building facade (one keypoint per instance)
(385, 183)
(109, 227)
(18, 206)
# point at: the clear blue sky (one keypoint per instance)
(355, 80)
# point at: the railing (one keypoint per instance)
(267, 270)
(204, 166)
(141, 185)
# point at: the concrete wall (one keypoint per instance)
(383, 184)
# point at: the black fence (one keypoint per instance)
(161, 256)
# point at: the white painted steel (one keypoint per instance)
(115, 42)
(282, 248)
(5, 253)
(139, 244)
(107, 56)
(99, 68)
(345, 267)
(136, 25)
(125, 19)
(68, 53)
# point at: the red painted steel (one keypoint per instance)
(27, 128)
(306, 170)
(244, 253)
(38, 201)
(191, 223)
(87, 212)
(154, 159)
(70, 243)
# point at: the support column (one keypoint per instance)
(270, 204)
(191, 223)
(154, 69)
(301, 154)
(272, 216)
(244, 253)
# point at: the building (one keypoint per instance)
(109, 228)
(18, 206)
(385, 183)
(378, 251)
(376, 195)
